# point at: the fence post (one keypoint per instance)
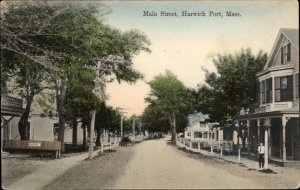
(110, 145)
(239, 157)
(221, 150)
(102, 147)
(199, 146)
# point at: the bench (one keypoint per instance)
(28, 146)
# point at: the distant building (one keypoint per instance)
(199, 130)
(278, 106)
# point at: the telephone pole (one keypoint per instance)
(101, 68)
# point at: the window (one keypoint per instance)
(266, 91)
(197, 134)
(283, 88)
(269, 90)
(205, 135)
(297, 85)
(286, 54)
(263, 92)
(55, 130)
(202, 124)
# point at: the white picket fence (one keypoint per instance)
(110, 145)
(189, 146)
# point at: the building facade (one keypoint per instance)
(277, 113)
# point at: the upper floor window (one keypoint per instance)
(263, 91)
(266, 91)
(284, 88)
(286, 54)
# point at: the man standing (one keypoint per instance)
(261, 152)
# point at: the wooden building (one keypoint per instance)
(278, 110)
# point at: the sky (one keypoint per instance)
(185, 45)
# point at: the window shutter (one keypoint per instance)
(289, 52)
(281, 55)
(290, 88)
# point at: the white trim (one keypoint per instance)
(278, 73)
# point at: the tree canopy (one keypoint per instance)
(170, 98)
(232, 87)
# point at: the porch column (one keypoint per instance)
(258, 131)
(269, 139)
(248, 139)
(284, 121)
(267, 126)
(258, 135)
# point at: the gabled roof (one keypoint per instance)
(291, 34)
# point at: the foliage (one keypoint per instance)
(171, 97)
(233, 86)
(79, 102)
(65, 38)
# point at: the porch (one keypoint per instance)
(283, 132)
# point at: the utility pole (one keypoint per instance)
(102, 67)
(122, 117)
(133, 130)
(140, 132)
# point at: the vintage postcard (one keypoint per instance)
(164, 94)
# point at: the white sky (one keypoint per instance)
(186, 44)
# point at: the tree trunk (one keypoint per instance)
(60, 97)
(74, 132)
(174, 130)
(108, 136)
(22, 125)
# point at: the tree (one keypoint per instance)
(169, 93)
(79, 102)
(65, 37)
(28, 78)
(233, 86)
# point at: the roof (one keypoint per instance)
(291, 34)
(197, 117)
(278, 113)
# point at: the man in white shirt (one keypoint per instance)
(261, 153)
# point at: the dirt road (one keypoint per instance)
(148, 165)
(155, 165)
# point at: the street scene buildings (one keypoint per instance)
(91, 99)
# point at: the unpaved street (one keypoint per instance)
(157, 165)
(153, 164)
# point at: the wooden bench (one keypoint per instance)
(29, 146)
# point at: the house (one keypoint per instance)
(202, 133)
(42, 123)
(277, 113)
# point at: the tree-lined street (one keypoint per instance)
(154, 164)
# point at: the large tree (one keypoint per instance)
(63, 37)
(232, 87)
(171, 95)
(80, 101)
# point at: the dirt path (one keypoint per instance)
(156, 165)
(99, 173)
(148, 165)
(44, 172)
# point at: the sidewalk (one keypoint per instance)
(48, 172)
(250, 164)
